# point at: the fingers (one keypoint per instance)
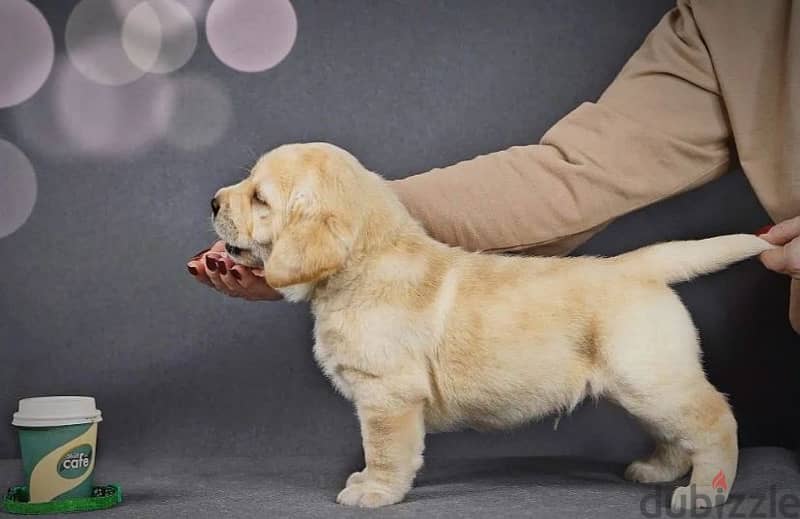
(213, 270)
(792, 258)
(216, 269)
(785, 260)
(196, 267)
(254, 286)
(244, 276)
(774, 259)
(783, 232)
(226, 275)
(197, 263)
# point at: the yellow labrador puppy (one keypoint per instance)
(424, 337)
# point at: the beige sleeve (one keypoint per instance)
(658, 130)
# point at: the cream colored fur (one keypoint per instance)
(423, 337)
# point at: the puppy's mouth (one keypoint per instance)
(233, 250)
(242, 256)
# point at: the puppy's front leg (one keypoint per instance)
(393, 442)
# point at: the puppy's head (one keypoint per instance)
(296, 214)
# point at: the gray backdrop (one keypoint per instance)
(95, 298)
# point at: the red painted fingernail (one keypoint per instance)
(765, 229)
(236, 274)
(192, 270)
(197, 255)
(211, 264)
(223, 269)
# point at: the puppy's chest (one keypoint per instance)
(335, 358)
(369, 342)
(327, 353)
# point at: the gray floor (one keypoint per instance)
(768, 486)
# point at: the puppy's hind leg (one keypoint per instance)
(698, 429)
(709, 429)
(655, 373)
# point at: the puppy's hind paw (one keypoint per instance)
(367, 496)
(649, 472)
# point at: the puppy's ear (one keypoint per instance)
(308, 250)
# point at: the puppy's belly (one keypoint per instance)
(495, 400)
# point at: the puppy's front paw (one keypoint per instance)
(356, 478)
(367, 495)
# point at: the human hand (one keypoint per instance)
(213, 267)
(785, 258)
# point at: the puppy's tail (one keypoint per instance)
(677, 261)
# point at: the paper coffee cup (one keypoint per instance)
(58, 438)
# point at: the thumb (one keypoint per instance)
(774, 259)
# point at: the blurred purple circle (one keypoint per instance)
(93, 37)
(200, 110)
(197, 8)
(26, 51)
(101, 120)
(251, 35)
(17, 188)
(165, 21)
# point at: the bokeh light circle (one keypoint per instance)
(105, 121)
(198, 8)
(251, 35)
(167, 22)
(200, 111)
(26, 51)
(17, 188)
(94, 43)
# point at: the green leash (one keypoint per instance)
(16, 501)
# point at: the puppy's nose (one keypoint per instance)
(214, 206)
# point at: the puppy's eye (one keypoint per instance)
(257, 199)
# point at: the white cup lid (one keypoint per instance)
(52, 411)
